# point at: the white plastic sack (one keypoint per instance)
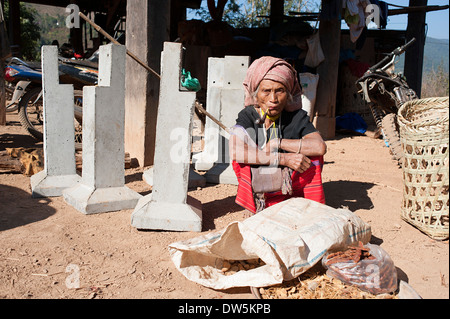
(315, 55)
(309, 84)
(289, 237)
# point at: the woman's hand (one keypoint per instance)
(298, 162)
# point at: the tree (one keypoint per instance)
(254, 13)
(29, 31)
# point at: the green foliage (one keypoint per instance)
(252, 13)
(39, 28)
(247, 15)
(52, 26)
(30, 31)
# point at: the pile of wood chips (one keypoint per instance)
(28, 161)
(315, 284)
(230, 267)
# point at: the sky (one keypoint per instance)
(437, 21)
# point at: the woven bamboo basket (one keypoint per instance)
(424, 136)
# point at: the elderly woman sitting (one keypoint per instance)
(276, 152)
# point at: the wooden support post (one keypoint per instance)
(76, 38)
(2, 95)
(325, 107)
(415, 54)
(276, 12)
(147, 29)
(14, 25)
(5, 52)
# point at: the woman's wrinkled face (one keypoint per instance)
(272, 97)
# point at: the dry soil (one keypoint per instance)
(43, 241)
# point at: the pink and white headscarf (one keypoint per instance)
(275, 69)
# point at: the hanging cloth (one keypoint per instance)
(355, 16)
(315, 54)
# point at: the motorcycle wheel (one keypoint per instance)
(392, 135)
(31, 114)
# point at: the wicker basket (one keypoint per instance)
(425, 142)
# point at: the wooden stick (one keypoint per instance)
(134, 57)
(202, 110)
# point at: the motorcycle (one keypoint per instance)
(28, 91)
(385, 92)
(20, 76)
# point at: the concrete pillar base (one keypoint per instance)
(221, 174)
(89, 200)
(154, 215)
(195, 179)
(43, 185)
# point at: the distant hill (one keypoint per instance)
(436, 52)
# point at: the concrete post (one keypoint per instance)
(208, 157)
(59, 132)
(195, 179)
(169, 207)
(225, 100)
(324, 116)
(102, 188)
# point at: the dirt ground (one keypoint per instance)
(44, 242)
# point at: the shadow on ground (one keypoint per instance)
(349, 194)
(18, 208)
(18, 140)
(216, 209)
